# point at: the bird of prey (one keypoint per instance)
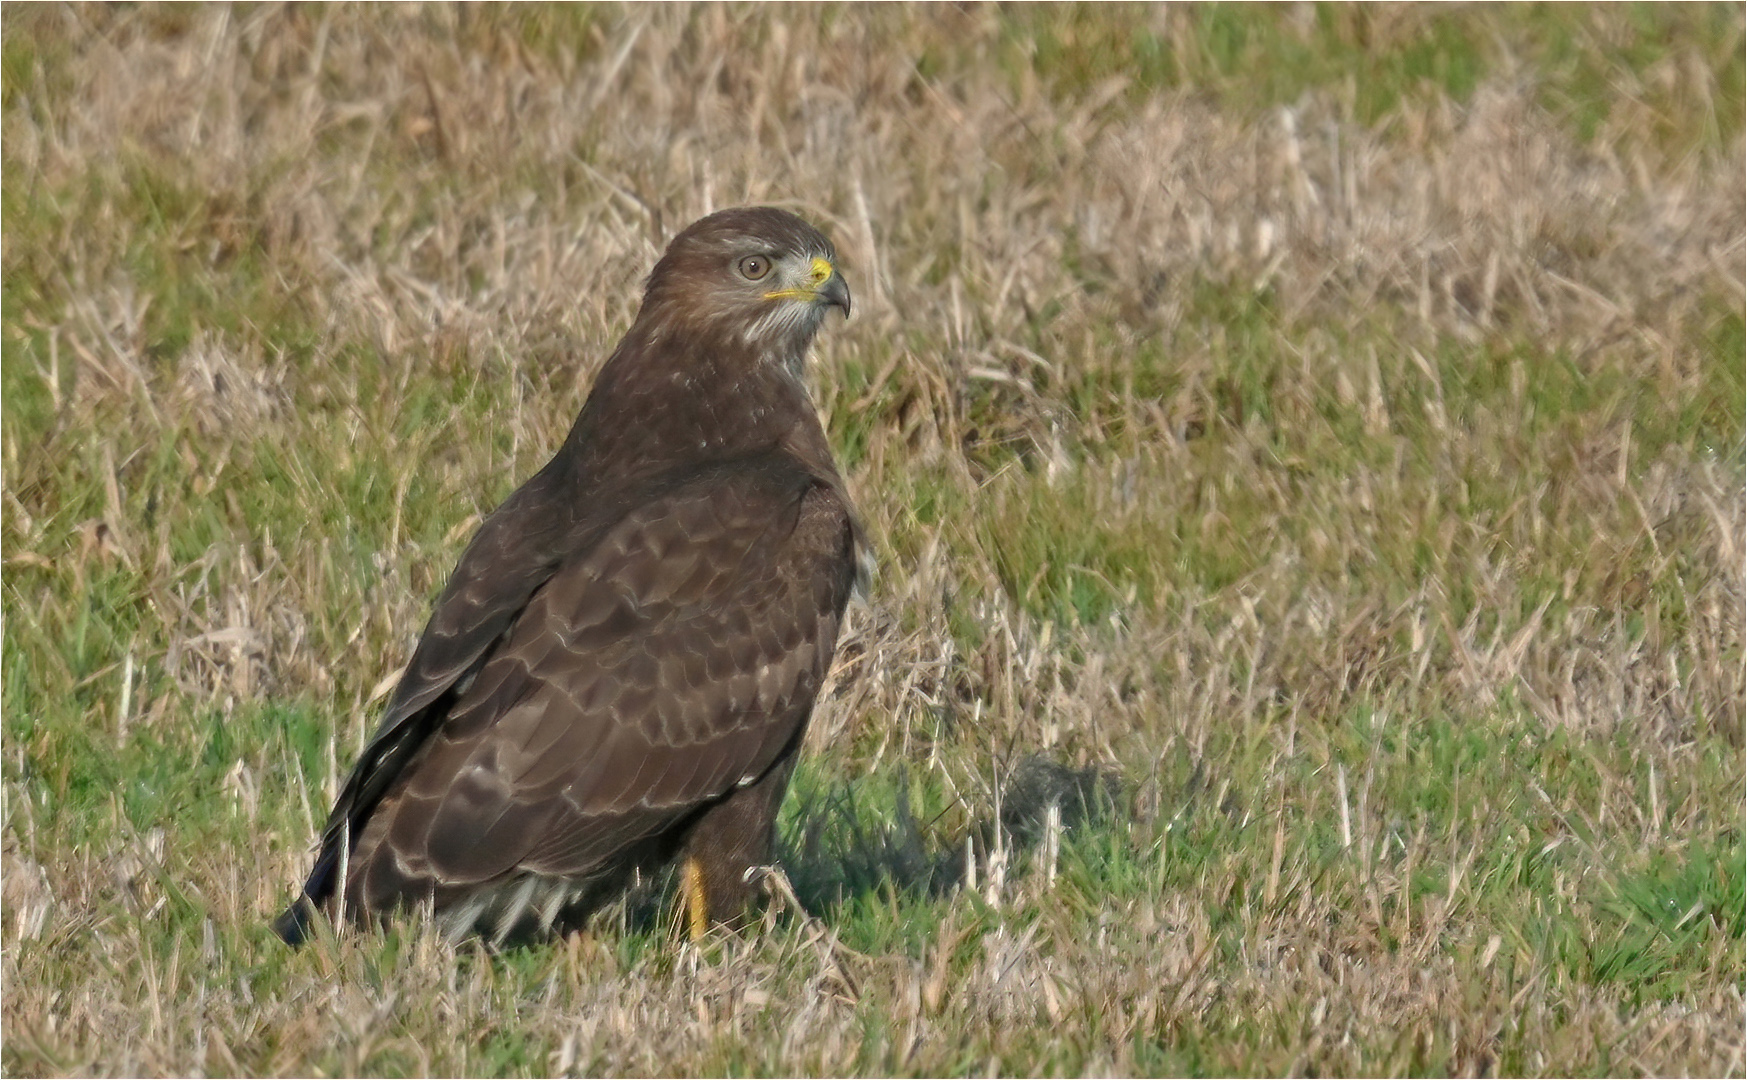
(621, 667)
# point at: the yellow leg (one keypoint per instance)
(697, 908)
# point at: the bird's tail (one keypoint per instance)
(293, 927)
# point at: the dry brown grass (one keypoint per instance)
(1366, 493)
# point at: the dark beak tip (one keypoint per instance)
(837, 294)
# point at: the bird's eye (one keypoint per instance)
(754, 267)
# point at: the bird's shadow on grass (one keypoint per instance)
(850, 840)
(842, 842)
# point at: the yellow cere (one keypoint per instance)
(819, 274)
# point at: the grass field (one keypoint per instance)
(1303, 446)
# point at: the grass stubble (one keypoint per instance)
(1304, 450)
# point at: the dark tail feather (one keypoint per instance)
(293, 927)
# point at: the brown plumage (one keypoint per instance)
(622, 665)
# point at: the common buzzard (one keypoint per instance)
(622, 665)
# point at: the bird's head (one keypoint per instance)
(758, 275)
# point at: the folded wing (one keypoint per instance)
(674, 659)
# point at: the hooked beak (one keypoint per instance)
(824, 286)
(835, 292)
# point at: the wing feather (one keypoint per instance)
(514, 553)
(646, 678)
